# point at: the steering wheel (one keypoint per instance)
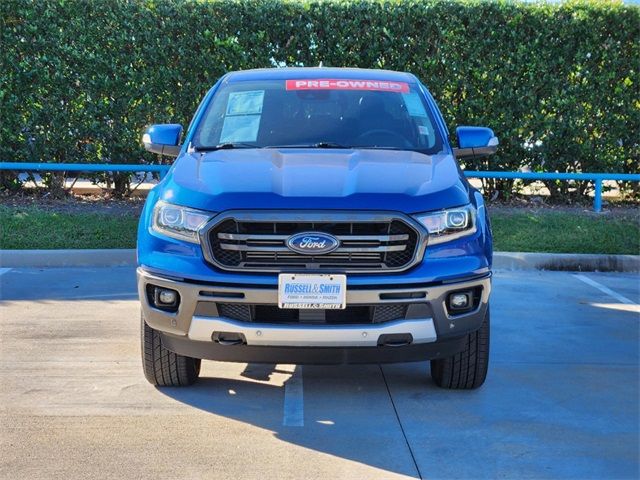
(383, 131)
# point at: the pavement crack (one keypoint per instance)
(404, 434)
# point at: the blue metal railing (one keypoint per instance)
(84, 167)
(597, 178)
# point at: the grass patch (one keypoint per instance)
(565, 232)
(34, 228)
(575, 231)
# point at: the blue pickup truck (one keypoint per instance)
(316, 216)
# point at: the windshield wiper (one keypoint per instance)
(312, 145)
(330, 145)
(224, 146)
(396, 149)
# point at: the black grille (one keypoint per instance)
(364, 245)
(225, 257)
(352, 315)
(403, 257)
(389, 312)
(235, 311)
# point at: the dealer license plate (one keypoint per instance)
(312, 291)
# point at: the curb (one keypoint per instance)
(572, 262)
(501, 260)
(67, 258)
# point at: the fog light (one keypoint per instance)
(166, 297)
(459, 301)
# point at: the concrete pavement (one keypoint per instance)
(561, 399)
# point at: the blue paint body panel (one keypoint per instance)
(165, 134)
(474, 137)
(317, 179)
(319, 72)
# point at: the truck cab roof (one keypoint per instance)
(293, 73)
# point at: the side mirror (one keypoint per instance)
(475, 142)
(163, 139)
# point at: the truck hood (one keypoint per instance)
(315, 179)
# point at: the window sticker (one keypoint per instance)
(245, 103)
(240, 128)
(414, 104)
(242, 117)
(422, 130)
(344, 84)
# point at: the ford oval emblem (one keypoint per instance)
(312, 243)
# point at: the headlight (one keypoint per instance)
(179, 222)
(447, 225)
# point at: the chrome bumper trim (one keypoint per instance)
(202, 329)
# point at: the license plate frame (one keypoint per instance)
(312, 291)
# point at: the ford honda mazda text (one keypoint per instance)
(316, 215)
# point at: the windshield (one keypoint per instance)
(322, 113)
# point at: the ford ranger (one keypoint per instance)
(316, 216)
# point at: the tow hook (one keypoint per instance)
(395, 340)
(229, 338)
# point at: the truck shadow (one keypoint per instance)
(347, 411)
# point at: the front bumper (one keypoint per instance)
(312, 355)
(195, 328)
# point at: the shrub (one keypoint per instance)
(80, 79)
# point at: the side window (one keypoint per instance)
(416, 110)
(440, 118)
(209, 130)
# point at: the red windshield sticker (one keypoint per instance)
(338, 84)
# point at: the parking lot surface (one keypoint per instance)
(560, 401)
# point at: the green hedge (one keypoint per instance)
(80, 79)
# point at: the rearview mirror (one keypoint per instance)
(475, 142)
(163, 139)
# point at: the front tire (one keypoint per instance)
(467, 369)
(163, 367)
